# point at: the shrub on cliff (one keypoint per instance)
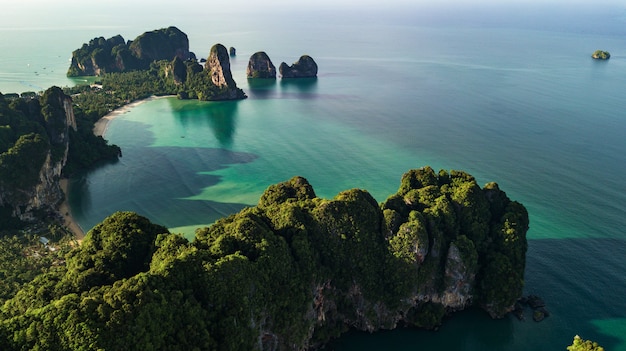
(584, 345)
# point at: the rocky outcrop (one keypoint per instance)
(232, 51)
(260, 66)
(218, 69)
(305, 67)
(292, 272)
(439, 245)
(38, 187)
(161, 44)
(178, 71)
(218, 66)
(102, 56)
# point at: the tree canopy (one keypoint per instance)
(289, 273)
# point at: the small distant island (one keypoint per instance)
(600, 55)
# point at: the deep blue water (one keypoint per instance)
(508, 94)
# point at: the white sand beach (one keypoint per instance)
(65, 211)
(100, 127)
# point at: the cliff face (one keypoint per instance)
(260, 66)
(305, 67)
(102, 56)
(437, 246)
(218, 69)
(291, 273)
(37, 159)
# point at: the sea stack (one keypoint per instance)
(218, 65)
(218, 68)
(305, 67)
(260, 66)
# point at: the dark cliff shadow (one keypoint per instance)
(262, 88)
(300, 85)
(290, 88)
(168, 179)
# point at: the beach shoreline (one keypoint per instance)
(66, 212)
(101, 125)
(99, 129)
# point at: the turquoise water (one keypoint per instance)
(507, 94)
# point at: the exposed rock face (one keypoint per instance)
(218, 69)
(218, 65)
(305, 67)
(260, 66)
(178, 70)
(446, 244)
(232, 51)
(44, 193)
(102, 56)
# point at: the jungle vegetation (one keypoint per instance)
(293, 271)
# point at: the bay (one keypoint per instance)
(502, 93)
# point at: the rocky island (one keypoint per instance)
(305, 67)
(260, 66)
(601, 55)
(102, 56)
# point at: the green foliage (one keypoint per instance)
(410, 242)
(488, 229)
(584, 345)
(24, 257)
(119, 247)
(21, 164)
(601, 55)
(291, 272)
(427, 315)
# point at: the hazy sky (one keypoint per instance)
(77, 13)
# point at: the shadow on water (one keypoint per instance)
(155, 182)
(581, 281)
(221, 117)
(262, 88)
(290, 88)
(299, 85)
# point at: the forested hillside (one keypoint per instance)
(287, 274)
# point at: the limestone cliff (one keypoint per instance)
(260, 66)
(30, 169)
(439, 245)
(102, 56)
(305, 67)
(161, 44)
(218, 69)
(291, 273)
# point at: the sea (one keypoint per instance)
(507, 92)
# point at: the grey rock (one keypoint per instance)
(305, 67)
